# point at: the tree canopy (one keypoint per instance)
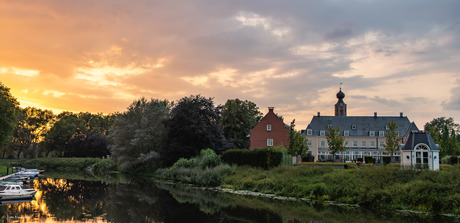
(8, 112)
(238, 118)
(58, 138)
(298, 144)
(194, 125)
(392, 139)
(138, 135)
(335, 141)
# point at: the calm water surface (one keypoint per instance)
(78, 198)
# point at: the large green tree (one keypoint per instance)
(298, 144)
(32, 126)
(238, 118)
(138, 134)
(194, 125)
(59, 136)
(392, 139)
(436, 127)
(335, 141)
(8, 116)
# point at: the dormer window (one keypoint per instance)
(269, 128)
(353, 126)
(381, 133)
(309, 132)
(322, 132)
(346, 133)
(372, 133)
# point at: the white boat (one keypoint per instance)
(15, 192)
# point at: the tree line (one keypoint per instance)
(150, 133)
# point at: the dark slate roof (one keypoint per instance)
(363, 124)
(415, 138)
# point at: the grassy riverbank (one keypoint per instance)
(70, 164)
(382, 187)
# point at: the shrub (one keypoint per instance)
(386, 160)
(105, 165)
(360, 159)
(208, 158)
(453, 160)
(369, 159)
(184, 163)
(263, 158)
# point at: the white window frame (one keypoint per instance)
(269, 128)
(371, 133)
(322, 143)
(269, 142)
(309, 143)
(381, 144)
(309, 132)
(346, 133)
(381, 133)
(353, 126)
(372, 144)
(355, 143)
(347, 143)
(363, 144)
(322, 132)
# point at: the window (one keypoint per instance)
(322, 144)
(382, 144)
(346, 133)
(372, 144)
(372, 133)
(363, 144)
(309, 143)
(309, 132)
(269, 128)
(355, 143)
(346, 143)
(353, 126)
(381, 133)
(322, 132)
(269, 142)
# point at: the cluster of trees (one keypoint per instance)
(444, 132)
(150, 133)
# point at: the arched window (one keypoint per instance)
(421, 153)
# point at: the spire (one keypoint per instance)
(340, 106)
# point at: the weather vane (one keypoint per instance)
(341, 85)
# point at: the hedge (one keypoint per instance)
(263, 158)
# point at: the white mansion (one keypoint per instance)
(364, 135)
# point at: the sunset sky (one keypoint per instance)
(99, 56)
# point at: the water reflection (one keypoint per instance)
(83, 199)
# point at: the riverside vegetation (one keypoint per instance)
(376, 187)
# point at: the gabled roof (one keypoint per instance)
(360, 125)
(416, 137)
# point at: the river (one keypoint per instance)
(85, 198)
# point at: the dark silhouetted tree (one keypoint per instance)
(138, 134)
(238, 118)
(194, 125)
(8, 116)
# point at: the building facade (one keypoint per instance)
(269, 131)
(364, 135)
(420, 151)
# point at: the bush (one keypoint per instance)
(359, 159)
(386, 160)
(453, 160)
(184, 163)
(208, 158)
(263, 158)
(105, 165)
(369, 159)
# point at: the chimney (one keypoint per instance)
(270, 109)
(319, 114)
(375, 114)
(401, 114)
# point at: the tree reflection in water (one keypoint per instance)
(90, 199)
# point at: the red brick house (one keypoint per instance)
(270, 131)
